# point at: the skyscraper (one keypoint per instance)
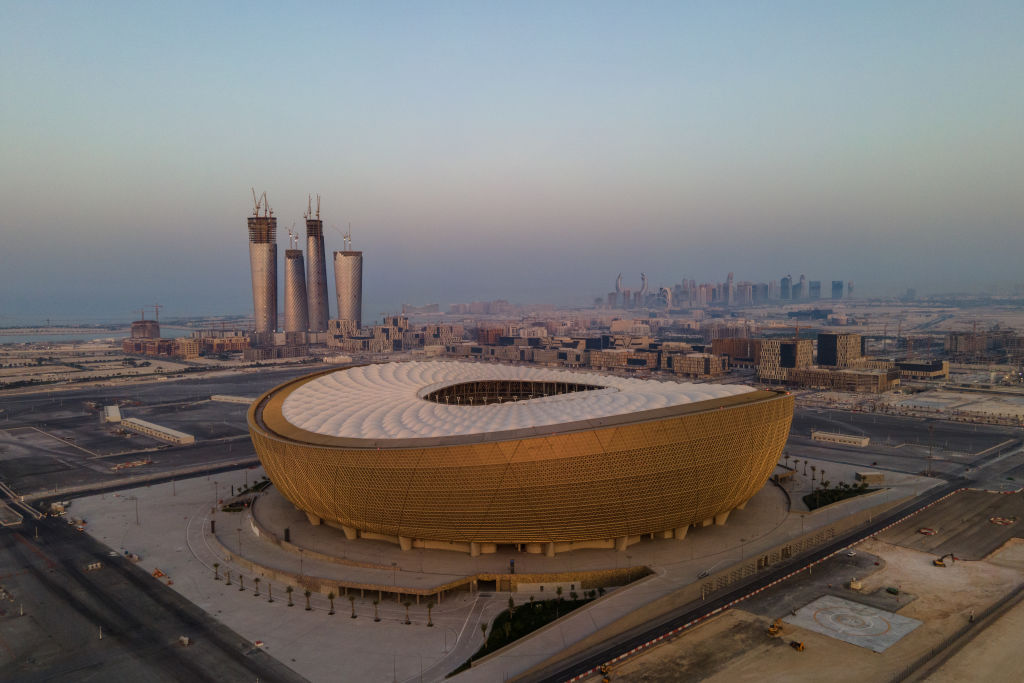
(786, 288)
(296, 313)
(800, 288)
(316, 274)
(263, 263)
(348, 282)
(837, 289)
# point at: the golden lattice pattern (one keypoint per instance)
(609, 482)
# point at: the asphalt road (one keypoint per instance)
(640, 635)
(67, 607)
(894, 430)
(76, 450)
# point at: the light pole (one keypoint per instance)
(301, 555)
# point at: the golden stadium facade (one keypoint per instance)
(468, 456)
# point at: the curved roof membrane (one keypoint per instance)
(387, 401)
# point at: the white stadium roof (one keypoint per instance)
(386, 401)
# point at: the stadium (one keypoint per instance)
(473, 457)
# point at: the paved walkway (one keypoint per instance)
(171, 533)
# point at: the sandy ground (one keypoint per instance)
(994, 654)
(735, 647)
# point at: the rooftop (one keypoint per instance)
(405, 400)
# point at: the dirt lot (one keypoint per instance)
(994, 654)
(734, 646)
(962, 524)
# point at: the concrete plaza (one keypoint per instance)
(168, 526)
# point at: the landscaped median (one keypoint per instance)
(521, 620)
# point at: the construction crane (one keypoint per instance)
(156, 309)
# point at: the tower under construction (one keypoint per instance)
(316, 273)
(263, 263)
(348, 282)
(296, 314)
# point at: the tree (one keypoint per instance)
(483, 632)
(241, 582)
(511, 606)
(216, 566)
(408, 604)
(256, 579)
(558, 610)
(813, 471)
(352, 601)
(805, 467)
(376, 601)
(330, 599)
(228, 575)
(574, 596)
(786, 457)
(430, 606)
(289, 590)
(270, 592)
(307, 593)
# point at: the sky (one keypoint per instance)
(521, 150)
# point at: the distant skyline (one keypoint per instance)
(527, 151)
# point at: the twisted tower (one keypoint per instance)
(316, 273)
(263, 263)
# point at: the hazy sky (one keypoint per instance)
(529, 151)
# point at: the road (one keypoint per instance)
(627, 641)
(67, 607)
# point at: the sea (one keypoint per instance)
(166, 331)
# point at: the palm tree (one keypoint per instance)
(408, 604)
(430, 606)
(786, 457)
(376, 601)
(330, 598)
(558, 592)
(307, 593)
(270, 592)
(241, 582)
(256, 579)
(822, 475)
(805, 467)
(813, 471)
(483, 631)
(352, 601)
(216, 566)
(289, 590)
(228, 575)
